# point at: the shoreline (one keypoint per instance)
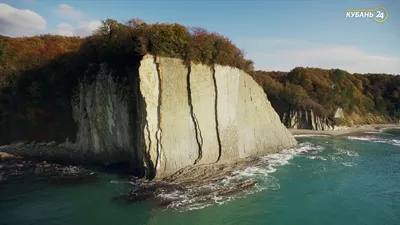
(345, 130)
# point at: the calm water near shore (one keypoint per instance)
(325, 180)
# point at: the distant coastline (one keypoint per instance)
(344, 130)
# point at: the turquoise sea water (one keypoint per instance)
(341, 180)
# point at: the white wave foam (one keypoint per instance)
(348, 164)
(360, 138)
(172, 195)
(396, 142)
(185, 200)
(310, 135)
(197, 207)
(122, 182)
(389, 128)
(372, 132)
(341, 151)
(375, 140)
(283, 157)
(316, 157)
(252, 171)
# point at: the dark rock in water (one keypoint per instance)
(207, 196)
(5, 156)
(148, 190)
(205, 185)
(14, 168)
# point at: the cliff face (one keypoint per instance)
(102, 113)
(173, 116)
(306, 119)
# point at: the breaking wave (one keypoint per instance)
(375, 140)
(317, 157)
(310, 135)
(388, 128)
(278, 159)
(372, 132)
(341, 151)
(341, 156)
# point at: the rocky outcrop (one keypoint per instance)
(306, 119)
(169, 116)
(13, 169)
(339, 113)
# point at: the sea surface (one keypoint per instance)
(325, 180)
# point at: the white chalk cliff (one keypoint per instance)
(173, 116)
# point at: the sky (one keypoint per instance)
(275, 34)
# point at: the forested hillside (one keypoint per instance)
(365, 98)
(38, 75)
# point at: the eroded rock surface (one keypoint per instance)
(102, 113)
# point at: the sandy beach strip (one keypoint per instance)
(345, 130)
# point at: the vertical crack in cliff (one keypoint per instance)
(139, 139)
(150, 170)
(149, 137)
(159, 130)
(139, 120)
(197, 130)
(216, 113)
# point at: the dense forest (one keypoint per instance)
(38, 75)
(365, 98)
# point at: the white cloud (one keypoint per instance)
(68, 12)
(349, 58)
(84, 26)
(83, 29)
(20, 22)
(64, 29)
